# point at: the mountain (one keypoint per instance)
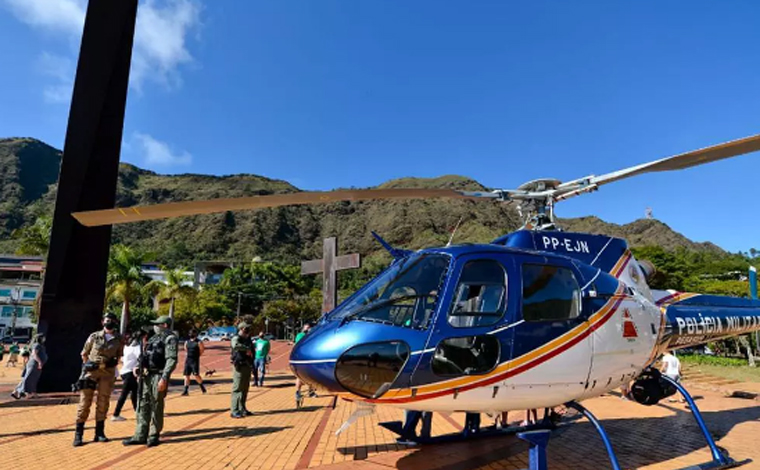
(28, 175)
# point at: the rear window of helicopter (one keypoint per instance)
(550, 293)
(481, 294)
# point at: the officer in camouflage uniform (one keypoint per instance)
(100, 356)
(157, 362)
(242, 361)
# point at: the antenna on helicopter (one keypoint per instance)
(454, 231)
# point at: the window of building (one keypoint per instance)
(6, 311)
(5, 292)
(468, 355)
(481, 295)
(29, 295)
(550, 293)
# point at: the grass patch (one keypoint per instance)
(723, 367)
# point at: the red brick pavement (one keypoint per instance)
(200, 434)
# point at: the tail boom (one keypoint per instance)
(697, 319)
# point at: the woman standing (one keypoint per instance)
(37, 359)
(129, 384)
(194, 350)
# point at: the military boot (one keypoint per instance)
(78, 433)
(133, 442)
(100, 432)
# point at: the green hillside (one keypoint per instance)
(28, 174)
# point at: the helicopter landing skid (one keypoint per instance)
(720, 460)
(720, 456)
(471, 431)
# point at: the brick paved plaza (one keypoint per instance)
(200, 433)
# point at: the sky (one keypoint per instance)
(329, 93)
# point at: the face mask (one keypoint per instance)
(109, 325)
(158, 329)
(41, 340)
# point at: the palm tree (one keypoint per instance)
(125, 278)
(172, 288)
(34, 239)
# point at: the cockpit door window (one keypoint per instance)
(550, 293)
(480, 296)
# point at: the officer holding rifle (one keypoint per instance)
(157, 362)
(100, 356)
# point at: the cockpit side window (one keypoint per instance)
(468, 355)
(550, 293)
(480, 296)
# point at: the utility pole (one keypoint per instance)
(15, 296)
(240, 296)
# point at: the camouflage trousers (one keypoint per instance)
(150, 409)
(104, 378)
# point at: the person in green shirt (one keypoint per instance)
(13, 350)
(312, 393)
(261, 352)
(302, 333)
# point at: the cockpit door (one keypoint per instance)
(552, 345)
(470, 336)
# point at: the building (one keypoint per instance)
(20, 284)
(211, 272)
(155, 273)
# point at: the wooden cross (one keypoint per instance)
(329, 266)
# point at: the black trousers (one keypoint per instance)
(129, 387)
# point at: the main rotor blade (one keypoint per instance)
(178, 209)
(685, 160)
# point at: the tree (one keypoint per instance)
(125, 278)
(35, 238)
(174, 287)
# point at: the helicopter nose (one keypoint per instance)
(367, 370)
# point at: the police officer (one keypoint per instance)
(157, 363)
(100, 356)
(242, 361)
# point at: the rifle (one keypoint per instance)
(140, 376)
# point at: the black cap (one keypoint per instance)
(111, 316)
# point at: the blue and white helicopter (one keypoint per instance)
(535, 319)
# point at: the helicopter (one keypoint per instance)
(535, 319)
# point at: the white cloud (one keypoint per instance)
(160, 40)
(61, 69)
(160, 46)
(158, 153)
(66, 16)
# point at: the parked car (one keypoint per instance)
(205, 336)
(20, 339)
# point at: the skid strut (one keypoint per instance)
(607, 444)
(720, 460)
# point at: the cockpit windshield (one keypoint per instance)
(405, 294)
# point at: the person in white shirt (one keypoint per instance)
(671, 367)
(129, 362)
